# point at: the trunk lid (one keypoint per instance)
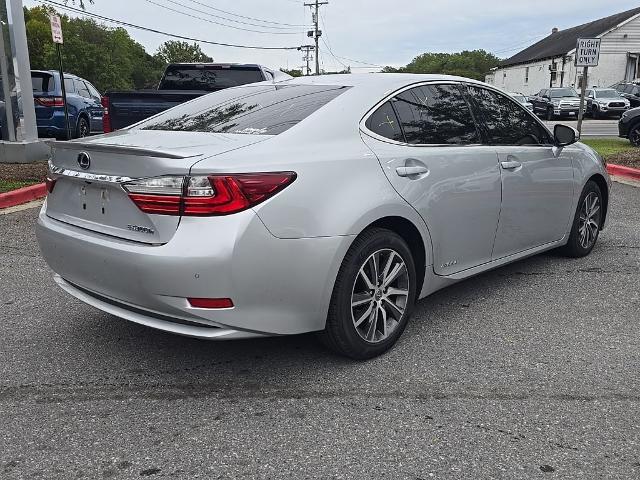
(91, 196)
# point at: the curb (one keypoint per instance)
(626, 172)
(22, 195)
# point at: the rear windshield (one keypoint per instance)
(563, 92)
(42, 83)
(268, 110)
(207, 78)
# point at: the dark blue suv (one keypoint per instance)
(83, 100)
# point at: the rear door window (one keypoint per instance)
(81, 88)
(504, 121)
(269, 111)
(435, 115)
(384, 122)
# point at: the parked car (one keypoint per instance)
(327, 204)
(83, 101)
(602, 102)
(629, 126)
(180, 83)
(523, 100)
(630, 91)
(556, 102)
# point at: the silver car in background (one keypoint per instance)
(323, 204)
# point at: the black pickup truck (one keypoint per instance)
(180, 83)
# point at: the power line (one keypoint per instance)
(316, 32)
(229, 19)
(160, 32)
(248, 18)
(215, 22)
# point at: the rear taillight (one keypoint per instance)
(50, 183)
(206, 195)
(106, 115)
(50, 101)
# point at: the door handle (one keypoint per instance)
(510, 165)
(410, 171)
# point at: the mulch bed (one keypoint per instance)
(23, 172)
(629, 158)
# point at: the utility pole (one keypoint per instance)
(307, 49)
(316, 33)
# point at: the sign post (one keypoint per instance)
(587, 55)
(56, 33)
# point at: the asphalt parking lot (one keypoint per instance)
(529, 371)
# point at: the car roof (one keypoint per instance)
(55, 72)
(375, 80)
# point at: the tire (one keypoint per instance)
(634, 135)
(595, 113)
(380, 324)
(550, 114)
(579, 244)
(83, 129)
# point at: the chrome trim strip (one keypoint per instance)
(89, 177)
(123, 149)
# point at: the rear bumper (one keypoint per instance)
(278, 286)
(54, 126)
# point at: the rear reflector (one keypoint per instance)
(211, 303)
(50, 183)
(206, 195)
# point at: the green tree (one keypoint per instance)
(174, 51)
(292, 72)
(471, 64)
(107, 57)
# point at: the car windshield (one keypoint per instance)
(608, 93)
(563, 92)
(520, 98)
(251, 111)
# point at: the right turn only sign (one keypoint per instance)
(588, 52)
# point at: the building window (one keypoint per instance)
(526, 75)
(554, 76)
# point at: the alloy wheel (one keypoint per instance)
(84, 128)
(379, 295)
(590, 214)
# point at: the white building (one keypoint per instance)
(550, 62)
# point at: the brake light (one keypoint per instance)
(50, 101)
(212, 195)
(106, 115)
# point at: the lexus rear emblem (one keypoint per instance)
(84, 160)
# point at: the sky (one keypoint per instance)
(373, 32)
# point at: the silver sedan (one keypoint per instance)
(325, 204)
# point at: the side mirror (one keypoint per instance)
(564, 136)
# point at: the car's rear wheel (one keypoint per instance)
(83, 129)
(587, 222)
(373, 296)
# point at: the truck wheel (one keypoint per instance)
(550, 115)
(595, 113)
